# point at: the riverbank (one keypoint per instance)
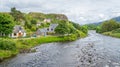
(113, 33)
(24, 45)
(117, 35)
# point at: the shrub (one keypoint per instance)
(71, 37)
(80, 34)
(116, 30)
(7, 45)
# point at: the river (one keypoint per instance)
(96, 50)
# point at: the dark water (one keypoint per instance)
(93, 51)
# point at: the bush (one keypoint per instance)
(80, 34)
(7, 45)
(116, 30)
(71, 37)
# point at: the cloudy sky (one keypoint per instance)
(79, 11)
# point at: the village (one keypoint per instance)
(19, 31)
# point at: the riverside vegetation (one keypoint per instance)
(65, 31)
(110, 28)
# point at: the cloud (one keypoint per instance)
(80, 11)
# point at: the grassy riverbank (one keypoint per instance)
(12, 47)
(113, 33)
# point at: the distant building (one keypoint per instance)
(44, 31)
(18, 31)
(38, 24)
(52, 28)
(47, 20)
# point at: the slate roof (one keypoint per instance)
(45, 30)
(42, 30)
(18, 28)
(53, 25)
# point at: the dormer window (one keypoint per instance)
(52, 29)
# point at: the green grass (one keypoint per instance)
(116, 35)
(31, 42)
(4, 54)
(113, 34)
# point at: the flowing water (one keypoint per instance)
(96, 50)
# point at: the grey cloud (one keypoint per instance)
(80, 11)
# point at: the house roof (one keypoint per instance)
(42, 30)
(53, 25)
(18, 28)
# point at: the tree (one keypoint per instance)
(6, 24)
(34, 21)
(98, 29)
(109, 25)
(62, 28)
(18, 16)
(91, 26)
(76, 25)
(84, 29)
(65, 27)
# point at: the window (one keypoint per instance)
(15, 34)
(52, 29)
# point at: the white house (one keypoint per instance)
(18, 31)
(47, 20)
(38, 24)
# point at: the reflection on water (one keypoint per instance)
(93, 51)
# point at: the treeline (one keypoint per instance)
(110, 28)
(107, 26)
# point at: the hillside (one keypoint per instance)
(94, 25)
(42, 16)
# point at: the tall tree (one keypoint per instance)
(18, 16)
(65, 27)
(6, 24)
(109, 25)
(62, 28)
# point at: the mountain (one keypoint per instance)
(92, 26)
(98, 23)
(116, 19)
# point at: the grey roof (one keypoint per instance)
(18, 28)
(53, 25)
(42, 30)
